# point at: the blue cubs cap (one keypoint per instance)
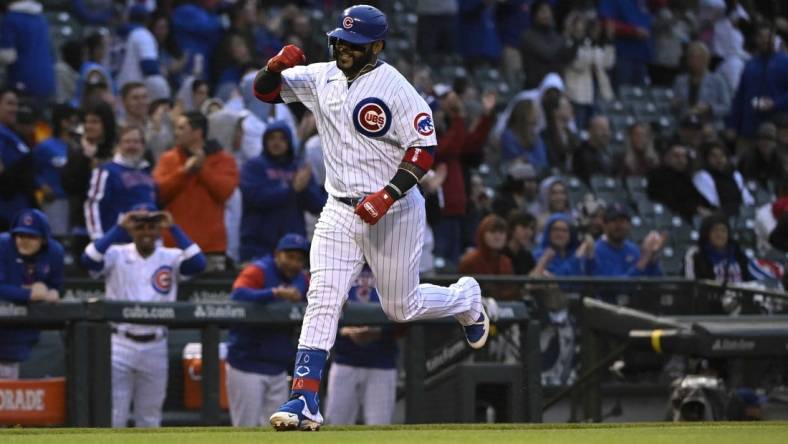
(144, 207)
(32, 222)
(361, 24)
(293, 241)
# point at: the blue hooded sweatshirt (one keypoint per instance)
(568, 264)
(271, 208)
(17, 271)
(24, 29)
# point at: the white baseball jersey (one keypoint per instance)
(365, 128)
(131, 277)
(139, 369)
(140, 45)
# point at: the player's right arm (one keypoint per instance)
(95, 257)
(283, 81)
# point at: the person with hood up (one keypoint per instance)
(276, 188)
(31, 269)
(560, 251)
(554, 198)
(488, 258)
(118, 185)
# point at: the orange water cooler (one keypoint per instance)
(192, 376)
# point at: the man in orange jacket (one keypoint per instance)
(195, 179)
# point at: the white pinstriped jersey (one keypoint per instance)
(131, 277)
(365, 128)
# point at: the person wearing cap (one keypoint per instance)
(31, 270)
(141, 271)
(763, 163)
(258, 358)
(16, 162)
(617, 256)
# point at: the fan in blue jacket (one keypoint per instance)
(615, 255)
(257, 357)
(560, 252)
(119, 185)
(277, 188)
(31, 269)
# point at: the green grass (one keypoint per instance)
(654, 433)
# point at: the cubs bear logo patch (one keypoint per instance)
(161, 281)
(423, 124)
(372, 117)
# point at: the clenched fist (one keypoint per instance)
(288, 57)
(374, 206)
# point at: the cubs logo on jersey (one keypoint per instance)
(162, 279)
(372, 117)
(423, 124)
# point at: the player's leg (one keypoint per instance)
(245, 393)
(380, 395)
(151, 384)
(393, 249)
(344, 394)
(276, 391)
(335, 259)
(123, 357)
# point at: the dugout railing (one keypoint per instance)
(88, 332)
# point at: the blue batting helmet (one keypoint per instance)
(361, 24)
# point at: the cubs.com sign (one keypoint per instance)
(372, 117)
(33, 401)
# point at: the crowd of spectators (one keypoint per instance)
(549, 162)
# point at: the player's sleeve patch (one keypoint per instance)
(423, 125)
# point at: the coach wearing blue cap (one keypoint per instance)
(31, 269)
(258, 358)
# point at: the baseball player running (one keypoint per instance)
(141, 271)
(378, 140)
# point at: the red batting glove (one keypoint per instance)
(288, 57)
(374, 206)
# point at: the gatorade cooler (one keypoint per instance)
(39, 402)
(192, 376)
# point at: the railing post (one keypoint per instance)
(210, 375)
(77, 378)
(416, 372)
(101, 374)
(532, 369)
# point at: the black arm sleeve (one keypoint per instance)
(266, 83)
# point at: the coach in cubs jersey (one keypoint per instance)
(141, 271)
(378, 140)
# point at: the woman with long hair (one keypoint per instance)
(521, 139)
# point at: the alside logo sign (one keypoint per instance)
(22, 400)
(12, 310)
(733, 345)
(139, 312)
(223, 311)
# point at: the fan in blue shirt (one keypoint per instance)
(617, 256)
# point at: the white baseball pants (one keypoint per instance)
(350, 388)
(254, 397)
(392, 247)
(139, 378)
